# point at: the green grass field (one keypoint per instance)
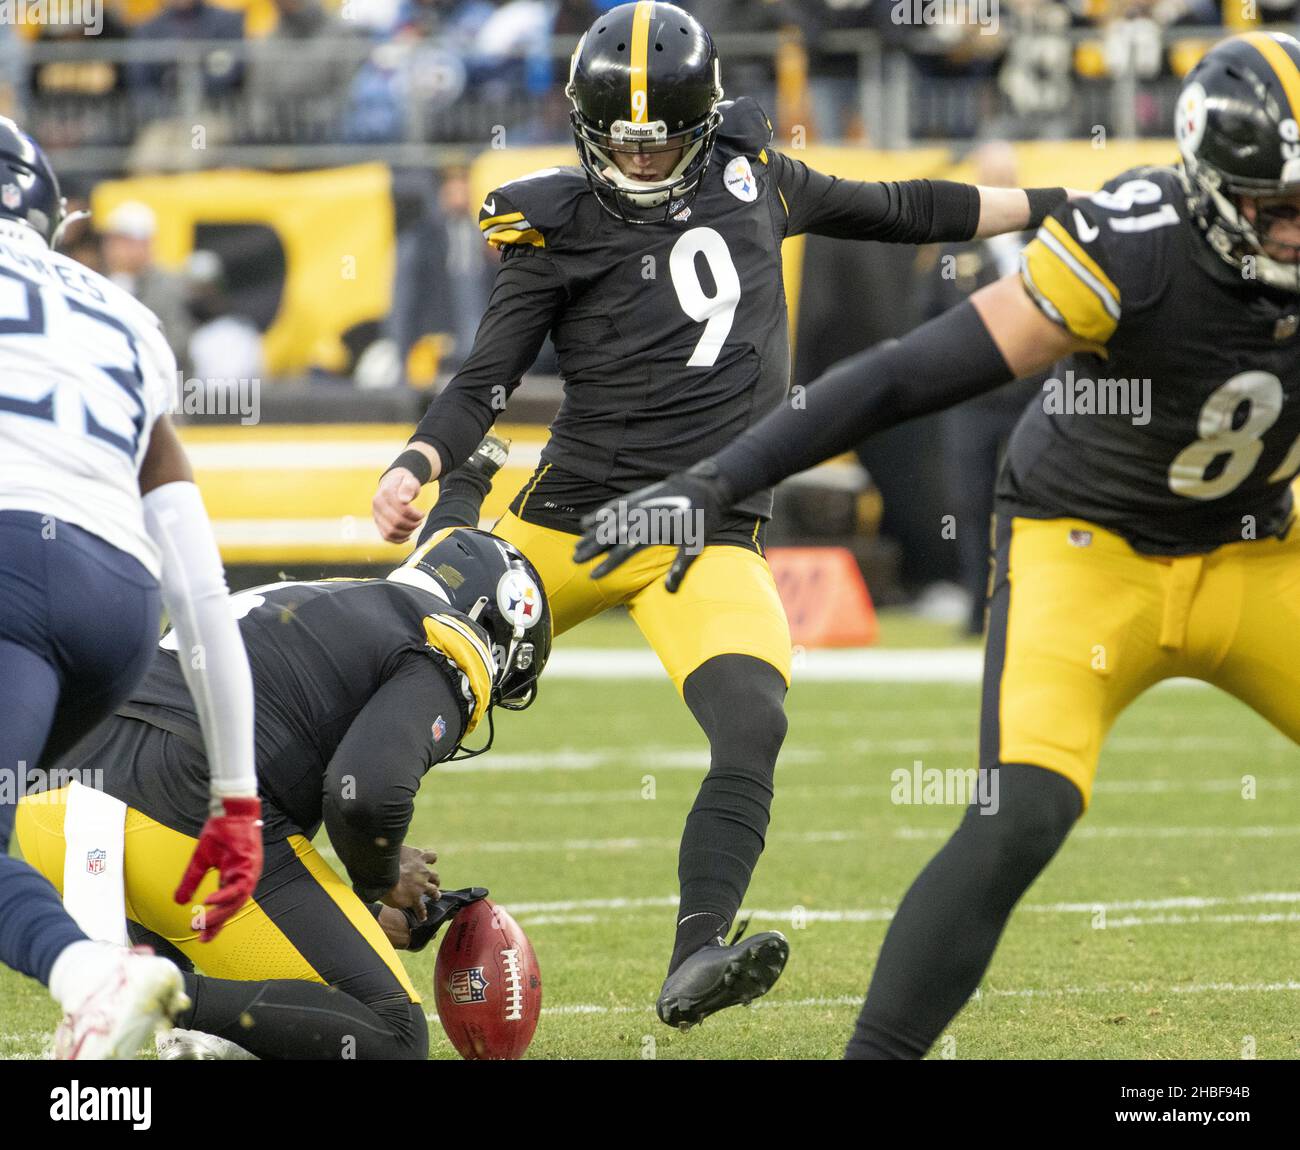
(1165, 929)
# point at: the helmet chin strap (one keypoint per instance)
(1275, 273)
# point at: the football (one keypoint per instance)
(487, 985)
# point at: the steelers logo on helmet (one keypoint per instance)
(1189, 119)
(519, 599)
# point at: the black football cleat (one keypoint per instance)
(489, 456)
(720, 975)
(438, 911)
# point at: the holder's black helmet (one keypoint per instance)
(1238, 129)
(490, 581)
(644, 77)
(29, 189)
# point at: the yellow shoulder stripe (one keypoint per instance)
(514, 236)
(450, 636)
(1073, 251)
(783, 203)
(1283, 66)
(762, 155)
(507, 218)
(1066, 297)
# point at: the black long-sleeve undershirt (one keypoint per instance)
(368, 793)
(940, 364)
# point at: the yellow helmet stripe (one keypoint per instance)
(640, 72)
(1284, 68)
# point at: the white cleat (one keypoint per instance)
(136, 995)
(195, 1045)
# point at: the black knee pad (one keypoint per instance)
(740, 703)
(1034, 811)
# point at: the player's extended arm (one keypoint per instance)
(525, 298)
(370, 784)
(996, 336)
(215, 666)
(905, 211)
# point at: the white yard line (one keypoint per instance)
(844, 665)
(855, 1000)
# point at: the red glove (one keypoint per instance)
(232, 843)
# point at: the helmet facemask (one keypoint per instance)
(1217, 203)
(638, 201)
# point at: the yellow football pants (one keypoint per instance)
(1080, 625)
(302, 922)
(727, 605)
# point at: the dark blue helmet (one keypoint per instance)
(29, 189)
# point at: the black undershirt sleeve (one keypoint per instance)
(940, 364)
(902, 212)
(526, 296)
(370, 784)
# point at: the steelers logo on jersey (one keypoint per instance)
(739, 179)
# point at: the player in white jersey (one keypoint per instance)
(100, 525)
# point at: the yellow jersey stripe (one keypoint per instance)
(1283, 66)
(528, 494)
(762, 155)
(497, 237)
(1064, 296)
(640, 71)
(507, 218)
(1071, 250)
(354, 910)
(445, 634)
(783, 203)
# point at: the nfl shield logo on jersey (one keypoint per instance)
(739, 178)
(11, 196)
(468, 985)
(96, 862)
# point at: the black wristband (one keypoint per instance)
(416, 462)
(1042, 202)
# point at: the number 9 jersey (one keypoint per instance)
(84, 374)
(1181, 430)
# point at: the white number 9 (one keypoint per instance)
(716, 312)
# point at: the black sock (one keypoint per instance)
(948, 925)
(460, 502)
(739, 701)
(287, 1018)
(693, 932)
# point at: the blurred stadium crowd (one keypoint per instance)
(122, 82)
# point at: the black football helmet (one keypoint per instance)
(29, 189)
(644, 77)
(1237, 129)
(489, 580)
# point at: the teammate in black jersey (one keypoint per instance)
(360, 686)
(1145, 519)
(655, 266)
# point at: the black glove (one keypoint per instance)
(439, 910)
(682, 511)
